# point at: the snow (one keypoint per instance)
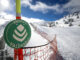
(32, 20)
(36, 39)
(74, 16)
(68, 39)
(73, 19)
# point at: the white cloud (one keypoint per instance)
(26, 2)
(72, 6)
(73, 3)
(39, 6)
(6, 17)
(43, 7)
(6, 5)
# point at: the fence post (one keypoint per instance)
(30, 54)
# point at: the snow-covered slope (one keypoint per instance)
(68, 41)
(67, 32)
(35, 40)
(35, 37)
(72, 20)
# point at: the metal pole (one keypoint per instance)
(18, 17)
(18, 9)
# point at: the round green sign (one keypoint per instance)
(17, 33)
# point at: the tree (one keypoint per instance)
(63, 20)
(79, 24)
(70, 24)
(51, 24)
(70, 20)
(66, 22)
(78, 17)
(56, 22)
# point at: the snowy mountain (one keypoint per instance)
(68, 41)
(72, 20)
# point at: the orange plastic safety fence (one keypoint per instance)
(43, 52)
(40, 53)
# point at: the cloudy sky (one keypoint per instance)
(48, 10)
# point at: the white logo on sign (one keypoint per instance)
(23, 34)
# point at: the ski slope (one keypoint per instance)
(36, 39)
(68, 40)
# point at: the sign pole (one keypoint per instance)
(18, 9)
(17, 33)
(18, 52)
